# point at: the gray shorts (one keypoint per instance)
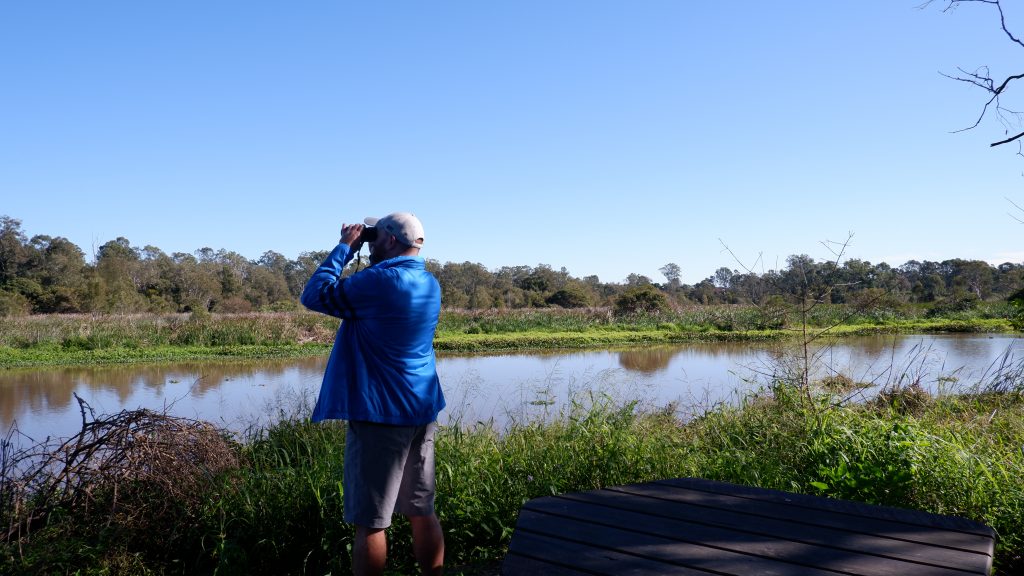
(388, 467)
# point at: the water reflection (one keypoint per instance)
(490, 388)
(647, 360)
(237, 393)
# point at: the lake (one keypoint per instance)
(497, 389)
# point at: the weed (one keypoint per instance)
(279, 511)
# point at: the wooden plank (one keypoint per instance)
(826, 519)
(517, 565)
(782, 528)
(768, 545)
(559, 531)
(551, 554)
(847, 507)
(695, 527)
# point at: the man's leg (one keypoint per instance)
(369, 551)
(374, 457)
(416, 502)
(428, 544)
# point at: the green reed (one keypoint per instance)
(85, 339)
(697, 318)
(280, 512)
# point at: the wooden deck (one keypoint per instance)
(699, 527)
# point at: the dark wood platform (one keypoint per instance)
(699, 527)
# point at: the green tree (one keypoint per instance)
(196, 285)
(723, 277)
(535, 283)
(974, 276)
(750, 287)
(156, 279)
(508, 294)
(926, 284)
(481, 299)
(268, 282)
(465, 285)
(572, 296)
(266, 288)
(58, 266)
(705, 292)
(302, 268)
(641, 299)
(637, 280)
(1009, 278)
(118, 271)
(673, 274)
(232, 271)
(13, 253)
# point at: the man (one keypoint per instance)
(382, 378)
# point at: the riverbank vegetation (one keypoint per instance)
(140, 304)
(62, 339)
(142, 493)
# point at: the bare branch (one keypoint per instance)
(842, 247)
(981, 78)
(982, 82)
(1007, 141)
(1017, 206)
(952, 4)
(1009, 79)
(1002, 22)
(736, 258)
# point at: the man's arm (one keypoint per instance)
(325, 290)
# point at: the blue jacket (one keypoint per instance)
(382, 367)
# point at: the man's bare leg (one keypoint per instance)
(369, 551)
(428, 544)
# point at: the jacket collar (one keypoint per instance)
(402, 262)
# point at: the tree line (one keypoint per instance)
(45, 274)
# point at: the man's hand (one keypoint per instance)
(350, 235)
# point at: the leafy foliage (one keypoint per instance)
(570, 297)
(643, 299)
(45, 274)
(278, 510)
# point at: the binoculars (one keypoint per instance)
(369, 234)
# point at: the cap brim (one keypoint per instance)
(371, 221)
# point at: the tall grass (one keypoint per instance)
(718, 317)
(280, 511)
(722, 317)
(84, 339)
(88, 332)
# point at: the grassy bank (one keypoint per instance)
(85, 339)
(274, 507)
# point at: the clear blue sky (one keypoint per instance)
(604, 137)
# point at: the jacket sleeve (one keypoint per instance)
(325, 290)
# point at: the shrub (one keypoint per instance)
(234, 304)
(14, 304)
(1017, 302)
(570, 298)
(964, 302)
(273, 504)
(641, 299)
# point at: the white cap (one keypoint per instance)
(404, 226)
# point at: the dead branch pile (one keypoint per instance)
(138, 470)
